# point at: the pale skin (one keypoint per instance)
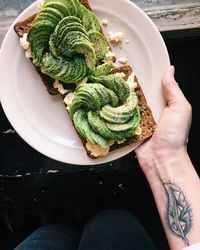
(169, 171)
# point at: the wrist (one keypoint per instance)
(167, 158)
(164, 164)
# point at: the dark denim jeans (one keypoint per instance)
(108, 230)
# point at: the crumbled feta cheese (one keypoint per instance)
(68, 99)
(23, 41)
(138, 130)
(115, 65)
(121, 141)
(57, 85)
(96, 150)
(131, 82)
(115, 38)
(121, 74)
(104, 22)
(40, 3)
(25, 45)
(111, 142)
(28, 53)
(123, 60)
(83, 81)
(133, 86)
(109, 57)
(131, 78)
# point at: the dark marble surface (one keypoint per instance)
(14, 6)
(21, 4)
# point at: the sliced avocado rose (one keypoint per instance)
(104, 113)
(66, 30)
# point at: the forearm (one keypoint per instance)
(176, 189)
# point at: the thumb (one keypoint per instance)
(171, 90)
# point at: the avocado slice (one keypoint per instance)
(66, 45)
(102, 70)
(100, 44)
(122, 113)
(103, 93)
(82, 126)
(79, 8)
(39, 34)
(79, 70)
(87, 50)
(114, 100)
(44, 26)
(77, 103)
(50, 14)
(68, 3)
(38, 47)
(131, 124)
(100, 127)
(91, 96)
(90, 21)
(116, 83)
(73, 37)
(83, 100)
(67, 32)
(70, 39)
(66, 21)
(67, 7)
(61, 33)
(64, 69)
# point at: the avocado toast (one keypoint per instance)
(65, 43)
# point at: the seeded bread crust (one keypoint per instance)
(147, 124)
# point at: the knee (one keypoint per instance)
(114, 218)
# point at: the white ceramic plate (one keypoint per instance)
(41, 120)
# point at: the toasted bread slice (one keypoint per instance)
(147, 124)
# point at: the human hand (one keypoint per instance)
(169, 171)
(171, 134)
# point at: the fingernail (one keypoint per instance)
(172, 75)
(172, 71)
